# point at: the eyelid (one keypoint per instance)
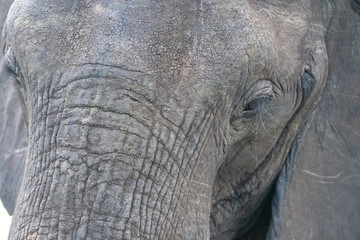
(10, 61)
(261, 88)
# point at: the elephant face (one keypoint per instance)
(156, 119)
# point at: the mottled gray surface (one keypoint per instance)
(322, 200)
(171, 120)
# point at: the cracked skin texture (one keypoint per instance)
(161, 120)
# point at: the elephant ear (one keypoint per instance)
(318, 191)
(13, 132)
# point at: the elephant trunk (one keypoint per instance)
(104, 164)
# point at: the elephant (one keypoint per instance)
(181, 119)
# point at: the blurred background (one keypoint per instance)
(5, 221)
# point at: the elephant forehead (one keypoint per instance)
(206, 49)
(181, 41)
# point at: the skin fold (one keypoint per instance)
(160, 119)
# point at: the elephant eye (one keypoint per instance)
(252, 102)
(11, 63)
(254, 106)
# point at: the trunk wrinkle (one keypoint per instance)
(94, 180)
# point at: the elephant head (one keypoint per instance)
(169, 119)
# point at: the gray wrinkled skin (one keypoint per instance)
(172, 119)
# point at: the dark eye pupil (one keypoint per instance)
(254, 104)
(251, 106)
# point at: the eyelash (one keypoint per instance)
(252, 107)
(254, 104)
